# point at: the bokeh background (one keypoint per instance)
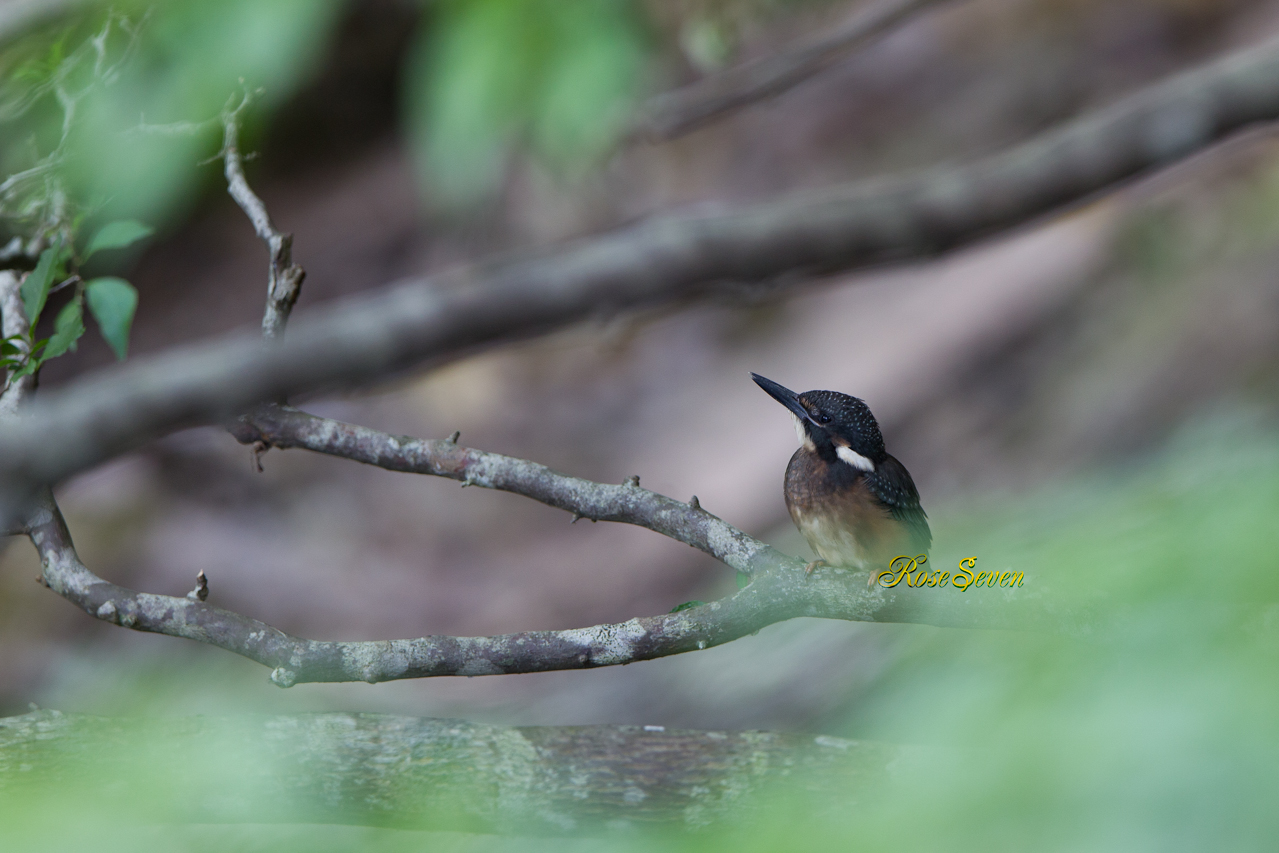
(1092, 393)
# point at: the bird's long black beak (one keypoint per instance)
(783, 395)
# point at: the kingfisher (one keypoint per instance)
(855, 504)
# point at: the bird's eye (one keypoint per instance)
(823, 419)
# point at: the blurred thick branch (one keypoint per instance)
(673, 114)
(445, 316)
(415, 773)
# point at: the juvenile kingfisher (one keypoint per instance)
(856, 505)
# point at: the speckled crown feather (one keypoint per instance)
(848, 415)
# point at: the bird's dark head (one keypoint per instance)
(835, 425)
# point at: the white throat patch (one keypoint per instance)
(802, 433)
(852, 457)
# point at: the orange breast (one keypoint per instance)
(836, 512)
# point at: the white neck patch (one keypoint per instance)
(852, 457)
(802, 433)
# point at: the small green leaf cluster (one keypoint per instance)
(112, 301)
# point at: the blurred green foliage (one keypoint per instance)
(489, 75)
(119, 102)
(113, 111)
(190, 57)
(110, 112)
(1156, 731)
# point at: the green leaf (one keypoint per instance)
(35, 289)
(10, 346)
(67, 329)
(687, 605)
(117, 235)
(743, 580)
(112, 302)
(33, 359)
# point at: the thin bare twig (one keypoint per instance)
(284, 281)
(675, 113)
(201, 590)
(284, 427)
(176, 128)
(11, 184)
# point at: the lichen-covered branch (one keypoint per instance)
(675, 113)
(296, 660)
(284, 281)
(429, 321)
(414, 773)
(285, 427)
(780, 589)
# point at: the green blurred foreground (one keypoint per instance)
(1159, 732)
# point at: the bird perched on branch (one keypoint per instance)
(855, 504)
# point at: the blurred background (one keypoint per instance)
(1069, 393)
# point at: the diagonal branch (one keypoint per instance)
(285, 427)
(675, 113)
(284, 282)
(676, 257)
